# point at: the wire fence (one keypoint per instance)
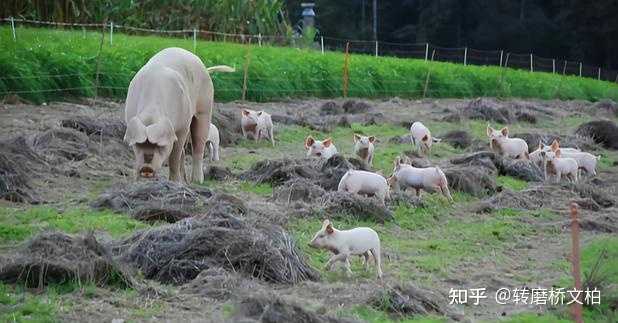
(314, 86)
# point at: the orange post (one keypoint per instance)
(576, 307)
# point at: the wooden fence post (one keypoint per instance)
(553, 66)
(599, 74)
(426, 51)
(501, 53)
(376, 48)
(260, 39)
(346, 70)
(506, 61)
(531, 64)
(194, 40)
(564, 68)
(576, 307)
(111, 33)
(322, 44)
(428, 74)
(246, 72)
(13, 28)
(580, 69)
(465, 56)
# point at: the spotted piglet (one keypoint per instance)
(346, 243)
(324, 149)
(257, 125)
(363, 148)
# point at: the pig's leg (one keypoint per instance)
(366, 259)
(446, 192)
(558, 177)
(215, 152)
(418, 192)
(348, 270)
(333, 259)
(378, 261)
(200, 125)
(271, 135)
(176, 161)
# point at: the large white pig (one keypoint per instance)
(257, 125)
(170, 98)
(345, 243)
(500, 143)
(429, 179)
(366, 183)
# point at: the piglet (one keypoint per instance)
(363, 148)
(257, 125)
(585, 161)
(363, 182)
(213, 143)
(558, 165)
(421, 137)
(324, 149)
(500, 143)
(345, 243)
(430, 178)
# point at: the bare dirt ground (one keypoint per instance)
(530, 250)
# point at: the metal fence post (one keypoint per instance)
(599, 75)
(376, 48)
(111, 33)
(531, 66)
(580, 69)
(322, 44)
(260, 39)
(501, 53)
(465, 56)
(426, 51)
(13, 29)
(553, 66)
(194, 40)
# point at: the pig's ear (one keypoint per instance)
(309, 142)
(505, 131)
(558, 153)
(397, 161)
(490, 130)
(136, 132)
(357, 137)
(161, 133)
(372, 139)
(245, 112)
(555, 146)
(327, 142)
(260, 113)
(329, 228)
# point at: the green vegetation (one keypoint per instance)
(17, 225)
(512, 183)
(372, 315)
(274, 73)
(16, 305)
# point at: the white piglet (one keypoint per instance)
(324, 149)
(585, 161)
(366, 183)
(257, 125)
(213, 143)
(345, 243)
(421, 137)
(363, 148)
(500, 143)
(561, 166)
(428, 179)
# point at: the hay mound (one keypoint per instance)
(339, 205)
(217, 173)
(61, 145)
(527, 199)
(522, 169)
(407, 139)
(157, 194)
(55, 258)
(279, 171)
(523, 116)
(401, 198)
(489, 110)
(218, 283)
(607, 106)
(332, 170)
(533, 139)
(177, 253)
(152, 215)
(603, 132)
(17, 165)
(112, 128)
(417, 160)
(227, 121)
(585, 190)
(268, 309)
(331, 108)
(474, 174)
(297, 189)
(410, 301)
(352, 106)
(458, 139)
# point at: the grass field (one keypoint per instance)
(27, 66)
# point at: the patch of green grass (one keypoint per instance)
(16, 305)
(372, 315)
(17, 225)
(274, 73)
(512, 183)
(264, 189)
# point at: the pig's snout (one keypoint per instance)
(147, 172)
(319, 154)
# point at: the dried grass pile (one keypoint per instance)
(61, 145)
(97, 128)
(18, 163)
(55, 258)
(603, 132)
(269, 309)
(177, 253)
(407, 301)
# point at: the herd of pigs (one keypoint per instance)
(169, 104)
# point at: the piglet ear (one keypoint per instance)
(325, 223)
(489, 130)
(372, 139)
(327, 142)
(397, 161)
(505, 131)
(329, 228)
(558, 153)
(260, 113)
(357, 137)
(555, 145)
(245, 112)
(309, 142)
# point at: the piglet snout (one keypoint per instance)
(147, 172)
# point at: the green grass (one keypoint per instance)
(274, 73)
(511, 183)
(16, 305)
(17, 225)
(372, 315)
